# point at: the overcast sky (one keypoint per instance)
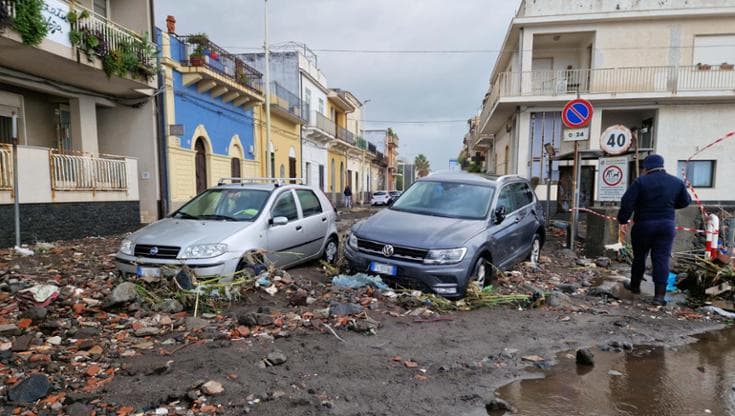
(401, 87)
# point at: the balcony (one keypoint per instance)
(320, 129)
(483, 142)
(46, 175)
(346, 136)
(212, 69)
(286, 104)
(76, 51)
(605, 84)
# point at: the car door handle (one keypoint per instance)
(298, 228)
(324, 219)
(517, 220)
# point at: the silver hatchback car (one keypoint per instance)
(212, 233)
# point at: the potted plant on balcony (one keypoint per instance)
(200, 42)
(703, 67)
(727, 67)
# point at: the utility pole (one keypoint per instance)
(266, 46)
(16, 200)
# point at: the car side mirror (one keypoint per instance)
(275, 221)
(391, 202)
(500, 213)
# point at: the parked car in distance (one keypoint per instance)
(393, 196)
(212, 233)
(448, 230)
(380, 198)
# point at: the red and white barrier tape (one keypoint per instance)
(697, 200)
(678, 228)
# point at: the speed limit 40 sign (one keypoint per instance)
(616, 140)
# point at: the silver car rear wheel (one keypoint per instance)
(330, 251)
(535, 250)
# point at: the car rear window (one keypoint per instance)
(379, 193)
(309, 202)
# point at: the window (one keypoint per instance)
(321, 105)
(307, 174)
(100, 7)
(714, 49)
(522, 194)
(546, 128)
(285, 206)
(506, 199)
(307, 104)
(701, 173)
(309, 203)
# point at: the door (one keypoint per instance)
(525, 219)
(542, 76)
(292, 168)
(235, 167)
(63, 129)
(286, 242)
(315, 221)
(505, 241)
(200, 165)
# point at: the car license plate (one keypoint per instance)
(383, 268)
(141, 271)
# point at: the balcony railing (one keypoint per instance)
(6, 167)
(654, 79)
(198, 51)
(285, 99)
(87, 173)
(345, 135)
(325, 124)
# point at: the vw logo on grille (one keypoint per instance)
(388, 250)
(153, 251)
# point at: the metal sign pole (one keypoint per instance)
(16, 202)
(575, 198)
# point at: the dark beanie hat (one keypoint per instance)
(653, 162)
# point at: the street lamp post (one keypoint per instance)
(266, 46)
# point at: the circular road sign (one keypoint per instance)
(616, 140)
(577, 113)
(612, 175)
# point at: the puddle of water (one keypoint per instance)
(690, 381)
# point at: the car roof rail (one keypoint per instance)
(249, 181)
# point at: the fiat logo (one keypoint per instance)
(153, 251)
(388, 250)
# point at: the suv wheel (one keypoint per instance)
(535, 254)
(482, 273)
(331, 250)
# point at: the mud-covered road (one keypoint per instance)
(284, 355)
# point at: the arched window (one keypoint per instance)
(235, 167)
(200, 163)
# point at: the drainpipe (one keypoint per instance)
(161, 132)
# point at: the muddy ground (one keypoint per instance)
(394, 357)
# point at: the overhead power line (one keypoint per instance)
(416, 121)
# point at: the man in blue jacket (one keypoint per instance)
(653, 197)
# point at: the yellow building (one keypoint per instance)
(286, 121)
(339, 104)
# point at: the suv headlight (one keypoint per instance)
(127, 247)
(454, 255)
(352, 241)
(203, 251)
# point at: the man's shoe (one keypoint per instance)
(635, 289)
(658, 301)
(659, 298)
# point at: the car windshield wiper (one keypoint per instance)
(217, 217)
(186, 216)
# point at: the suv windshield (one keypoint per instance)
(224, 204)
(446, 199)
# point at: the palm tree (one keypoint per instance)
(422, 165)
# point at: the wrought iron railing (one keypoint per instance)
(197, 50)
(285, 99)
(6, 167)
(325, 124)
(345, 135)
(87, 173)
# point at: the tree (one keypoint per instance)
(422, 165)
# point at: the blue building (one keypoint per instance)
(208, 101)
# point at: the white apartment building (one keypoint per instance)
(85, 122)
(664, 68)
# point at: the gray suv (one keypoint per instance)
(212, 233)
(449, 229)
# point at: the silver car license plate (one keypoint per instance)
(382, 268)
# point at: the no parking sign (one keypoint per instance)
(613, 178)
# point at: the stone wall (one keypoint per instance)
(66, 221)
